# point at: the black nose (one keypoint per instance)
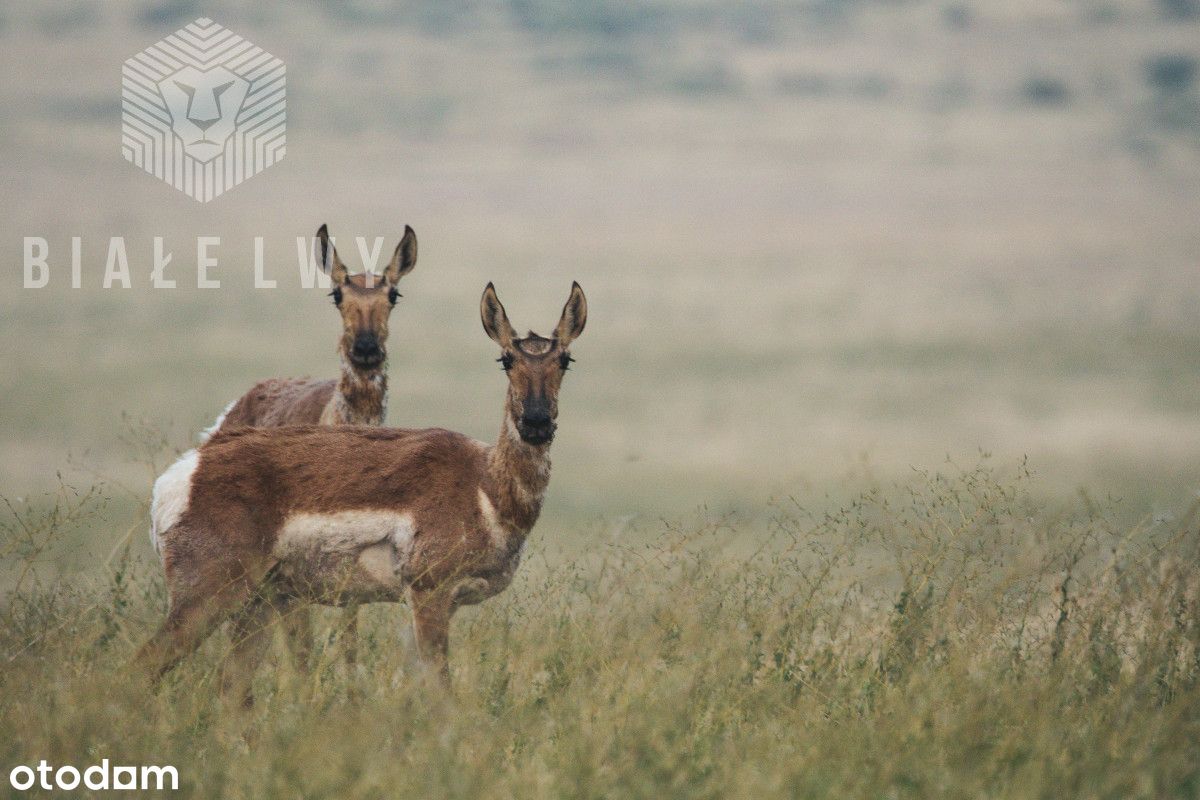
(366, 345)
(536, 417)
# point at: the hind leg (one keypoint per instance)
(202, 590)
(250, 633)
(191, 618)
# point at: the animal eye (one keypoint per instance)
(506, 361)
(564, 361)
(336, 294)
(393, 295)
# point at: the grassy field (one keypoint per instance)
(831, 250)
(947, 637)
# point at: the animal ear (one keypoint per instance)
(574, 317)
(326, 256)
(404, 259)
(495, 320)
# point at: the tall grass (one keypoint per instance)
(948, 637)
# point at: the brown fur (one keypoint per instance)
(222, 554)
(433, 474)
(276, 402)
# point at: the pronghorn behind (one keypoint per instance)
(260, 518)
(359, 397)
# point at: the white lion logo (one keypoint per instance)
(203, 109)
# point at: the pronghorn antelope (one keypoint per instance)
(358, 397)
(259, 518)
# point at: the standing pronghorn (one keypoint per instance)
(358, 397)
(259, 517)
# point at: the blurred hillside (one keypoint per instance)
(817, 238)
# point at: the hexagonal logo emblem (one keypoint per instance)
(203, 110)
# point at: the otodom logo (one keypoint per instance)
(203, 110)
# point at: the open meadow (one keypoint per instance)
(877, 472)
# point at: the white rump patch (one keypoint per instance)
(208, 432)
(170, 499)
(491, 521)
(346, 532)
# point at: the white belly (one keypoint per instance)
(348, 554)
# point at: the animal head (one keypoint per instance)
(204, 106)
(365, 300)
(534, 364)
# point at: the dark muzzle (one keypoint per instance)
(366, 351)
(536, 426)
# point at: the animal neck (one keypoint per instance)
(361, 397)
(519, 473)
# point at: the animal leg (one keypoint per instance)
(431, 624)
(190, 619)
(250, 639)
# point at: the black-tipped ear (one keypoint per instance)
(495, 320)
(326, 256)
(574, 317)
(405, 257)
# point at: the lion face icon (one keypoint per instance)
(203, 109)
(204, 106)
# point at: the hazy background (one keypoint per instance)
(818, 239)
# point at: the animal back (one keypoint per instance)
(277, 402)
